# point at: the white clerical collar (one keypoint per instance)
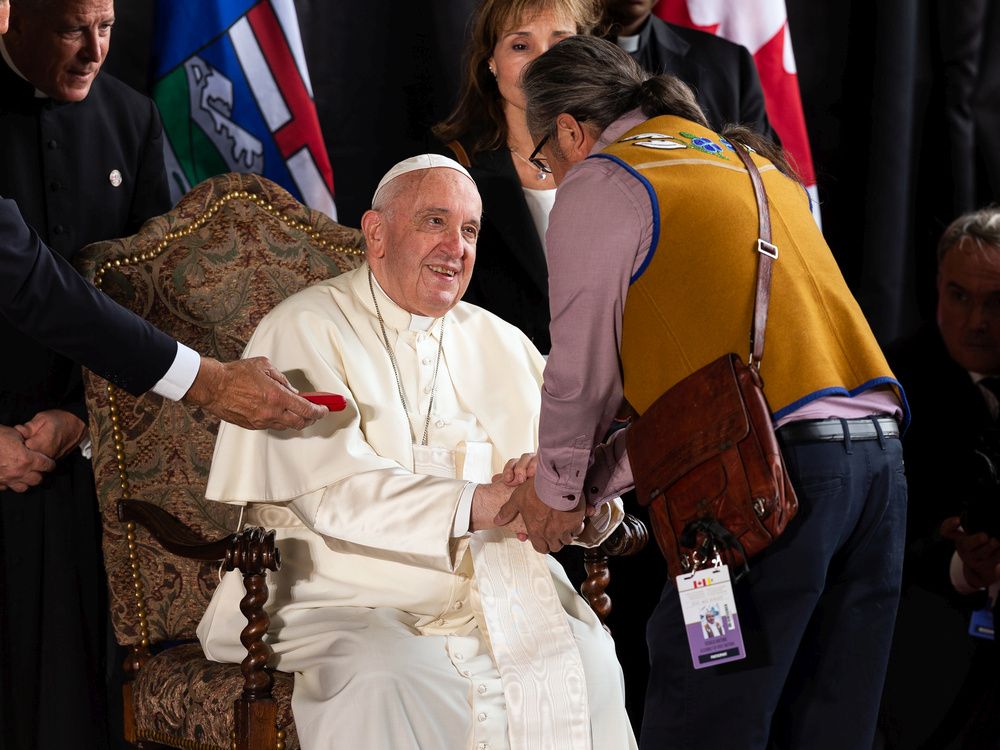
(629, 43)
(10, 64)
(394, 314)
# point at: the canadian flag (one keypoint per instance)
(762, 27)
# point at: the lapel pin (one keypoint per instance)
(115, 178)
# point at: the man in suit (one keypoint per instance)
(940, 676)
(66, 132)
(721, 73)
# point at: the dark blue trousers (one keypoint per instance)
(817, 610)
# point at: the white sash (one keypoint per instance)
(522, 621)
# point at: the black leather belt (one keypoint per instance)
(812, 430)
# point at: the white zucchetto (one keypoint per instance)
(414, 163)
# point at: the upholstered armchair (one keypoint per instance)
(206, 272)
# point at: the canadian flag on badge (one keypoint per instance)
(762, 27)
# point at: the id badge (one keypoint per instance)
(981, 625)
(709, 608)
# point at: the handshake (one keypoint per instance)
(510, 501)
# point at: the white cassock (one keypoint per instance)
(404, 630)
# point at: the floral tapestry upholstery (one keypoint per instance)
(180, 695)
(206, 273)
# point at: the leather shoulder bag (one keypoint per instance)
(705, 457)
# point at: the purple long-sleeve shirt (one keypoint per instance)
(600, 231)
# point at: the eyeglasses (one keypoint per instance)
(537, 160)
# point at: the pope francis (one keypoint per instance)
(409, 620)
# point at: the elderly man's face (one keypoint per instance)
(422, 247)
(61, 46)
(968, 311)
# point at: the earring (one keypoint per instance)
(493, 71)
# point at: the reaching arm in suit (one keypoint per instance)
(44, 297)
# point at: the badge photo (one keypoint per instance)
(710, 618)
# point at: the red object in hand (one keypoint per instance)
(332, 401)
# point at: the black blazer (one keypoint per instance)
(86, 325)
(722, 74)
(510, 278)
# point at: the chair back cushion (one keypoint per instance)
(206, 273)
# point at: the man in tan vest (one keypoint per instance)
(652, 251)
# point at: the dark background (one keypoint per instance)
(902, 104)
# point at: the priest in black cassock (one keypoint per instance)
(82, 157)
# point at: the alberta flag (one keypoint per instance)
(762, 27)
(234, 93)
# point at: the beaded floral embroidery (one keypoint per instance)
(707, 145)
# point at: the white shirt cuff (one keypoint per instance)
(463, 514)
(181, 374)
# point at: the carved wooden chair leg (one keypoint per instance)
(595, 562)
(628, 539)
(256, 712)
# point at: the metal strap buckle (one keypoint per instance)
(766, 248)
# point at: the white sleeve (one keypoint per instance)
(463, 514)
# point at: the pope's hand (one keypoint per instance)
(486, 501)
(20, 467)
(549, 530)
(979, 553)
(251, 393)
(518, 470)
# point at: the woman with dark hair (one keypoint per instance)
(487, 132)
(653, 252)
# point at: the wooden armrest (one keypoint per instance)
(252, 550)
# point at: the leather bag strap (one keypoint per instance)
(766, 254)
